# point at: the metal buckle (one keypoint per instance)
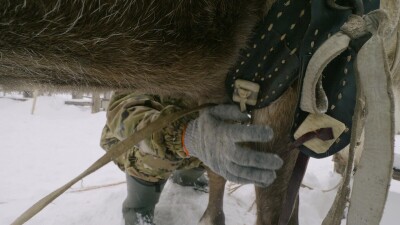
(246, 92)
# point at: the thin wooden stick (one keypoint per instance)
(35, 96)
(90, 188)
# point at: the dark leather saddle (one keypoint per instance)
(278, 54)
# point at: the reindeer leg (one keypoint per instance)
(270, 200)
(279, 117)
(294, 220)
(340, 162)
(214, 214)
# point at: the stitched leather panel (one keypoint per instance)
(279, 52)
(272, 57)
(339, 77)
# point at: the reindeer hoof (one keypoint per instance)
(217, 219)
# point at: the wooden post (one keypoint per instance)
(35, 95)
(96, 102)
(396, 167)
(107, 95)
(77, 95)
(27, 94)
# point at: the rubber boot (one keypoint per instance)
(138, 207)
(191, 177)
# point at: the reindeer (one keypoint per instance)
(170, 48)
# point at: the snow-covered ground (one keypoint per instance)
(41, 152)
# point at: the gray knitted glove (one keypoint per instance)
(215, 139)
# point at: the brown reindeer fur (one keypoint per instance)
(279, 116)
(214, 214)
(169, 47)
(161, 47)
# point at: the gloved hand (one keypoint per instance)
(215, 140)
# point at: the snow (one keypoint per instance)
(41, 152)
(396, 163)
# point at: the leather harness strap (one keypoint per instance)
(322, 134)
(293, 188)
(345, 59)
(272, 57)
(280, 52)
